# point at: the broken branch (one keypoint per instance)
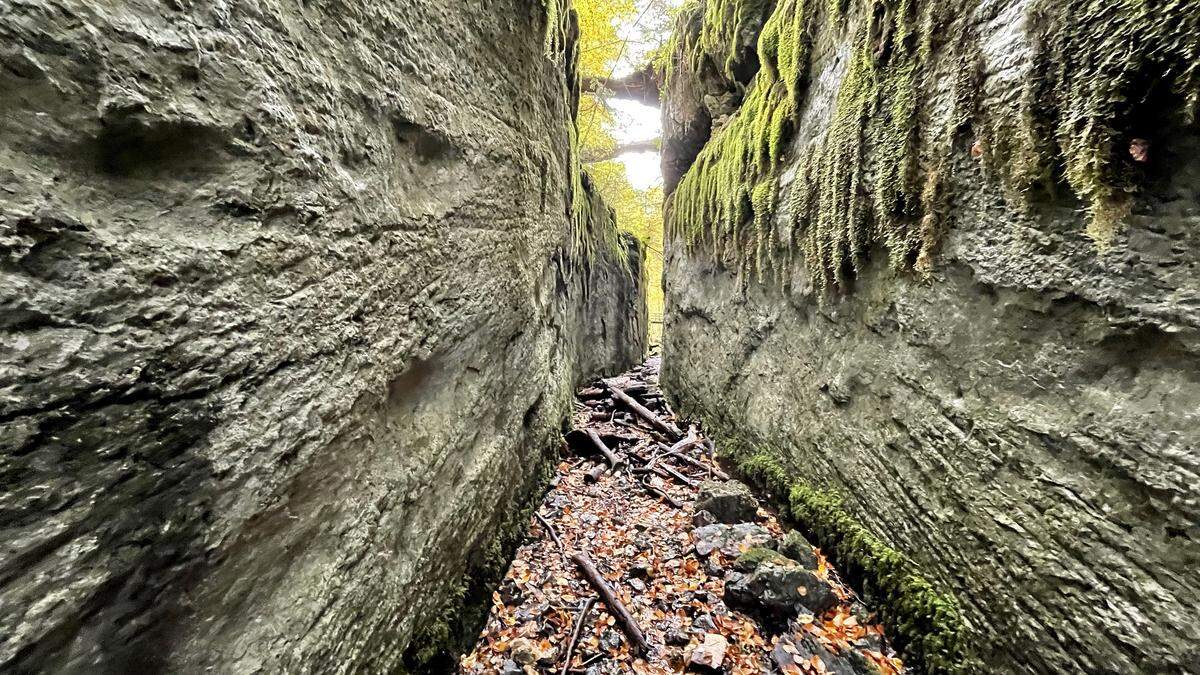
(659, 493)
(579, 621)
(613, 461)
(642, 411)
(550, 529)
(615, 606)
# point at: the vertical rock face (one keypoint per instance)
(1022, 422)
(290, 314)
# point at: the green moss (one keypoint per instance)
(756, 556)
(924, 623)
(1110, 70)
(733, 181)
(555, 38)
(721, 32)
(593, 232)
(877, 176)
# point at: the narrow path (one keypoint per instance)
(687, 572)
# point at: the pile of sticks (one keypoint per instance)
(627, 426)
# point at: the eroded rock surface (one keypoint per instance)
(728, 501)
(1023, 424)
(289, 319)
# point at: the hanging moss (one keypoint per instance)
(1109, 71)
(721, 32)
(857, 186)
(556, 33)
(593, 230)
(734, 178)
(924, 623)
(877, 177)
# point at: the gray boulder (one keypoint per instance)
(791, 651)
(731, 540)
(728, 501)
(777, 592)
(795, 546)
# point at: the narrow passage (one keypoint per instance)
(646, 558)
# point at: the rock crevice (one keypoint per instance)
(286, 291)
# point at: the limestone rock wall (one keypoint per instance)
(1023, 423)
(290, 316)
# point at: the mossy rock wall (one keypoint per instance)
(293, 300)
(1010, 402)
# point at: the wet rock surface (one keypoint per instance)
(779, 591)
(1023, 423)
(730, 540)
(728, 501)
(286, 293)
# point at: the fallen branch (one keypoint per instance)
(659, 493)
(579, 621)
(641, 85)
(613, 461)
(609, 154)
(666, 427)
(615, 606)
(677, 452)
(553, 534)
(679, 476)
(596, 473)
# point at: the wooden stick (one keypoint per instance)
(712, 470)
(636, 638)
(553, 535)
(666, 427)
(579, 621)
(659, 493)
(596, 473)
(613, 461)
(678, 476)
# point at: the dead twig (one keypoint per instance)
(553, 534)
(636, 638)
(659, 493)
(579, 621)
(679, 476)
(613, 460)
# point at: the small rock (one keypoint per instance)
(702, 518)
(779, 592)
(703, 622)
(523, 652)
(637, 584)
(731, 540)
(795, 546)
(791, 651)
(728, 501)
(675, 638)
(708, 657)
(510, 667)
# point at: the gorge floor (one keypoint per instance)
(687, 572)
